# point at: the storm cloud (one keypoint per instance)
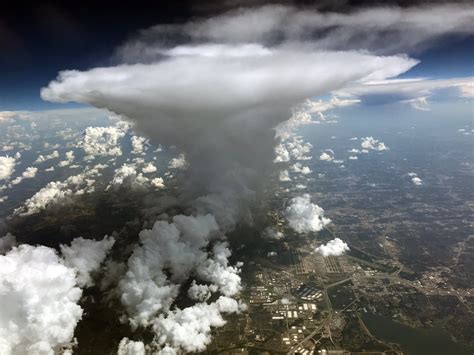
(217, 89)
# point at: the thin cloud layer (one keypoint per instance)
(414, 91)
(378, 29)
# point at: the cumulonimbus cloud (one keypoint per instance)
(220, 110)
(218, 96)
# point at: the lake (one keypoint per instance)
(414, 341)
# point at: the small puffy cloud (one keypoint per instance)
(127, 175)
(353, 157)
(130, 347)
(293, 148)
(300, 168)
(189, 329)
(39, 297)
(138, 144)
(158, 182)
(281, 154)
(272, 233)
(57, 191)
(7, 167)
(138, 161)
(284, 176)
(51, 193)
(178, 163)
(85, 256)
(42, 158)
(298, 149)
(373, 144)
(325, 156)
(304, 114)
(417, 181)
(29, 173)
(304, 216)
(69, 159)
(103, 141)
(334, 247)
(149, 168)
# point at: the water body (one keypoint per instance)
(414, 341)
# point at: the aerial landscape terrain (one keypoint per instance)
(237, 177)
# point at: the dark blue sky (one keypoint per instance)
(448, 58)
(38, 41)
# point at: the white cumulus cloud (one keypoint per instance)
(373, 144)
(42, 158)
(149, 168)
(38, 297)
(334, 247)
(130, 347)
(103, 141)
(304, 216)
(138, 144)
(86, 256)
(189, 329)
(7, 167)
